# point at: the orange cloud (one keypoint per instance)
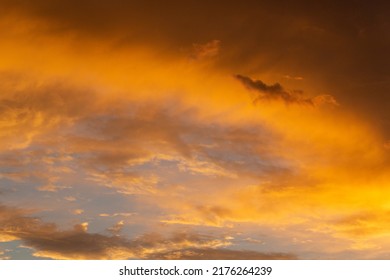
(181, 139)
(207, 50)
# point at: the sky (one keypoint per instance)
(194, 129)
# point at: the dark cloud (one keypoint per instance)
(339, 47)
(277, 92)
(48, 240)
(107, 142)
(30, 108)
(270, 92)
(276, 89)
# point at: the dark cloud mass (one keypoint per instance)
(277, 92)
(47, 240)
(276, 89)
(340, 46)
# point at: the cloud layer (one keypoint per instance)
(131, 121)
(48, 241)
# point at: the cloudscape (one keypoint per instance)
(194, 129)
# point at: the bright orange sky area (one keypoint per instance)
(190, 130)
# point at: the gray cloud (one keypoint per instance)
(47, 240)
(272, 92)
(276, 89)
(277, 92)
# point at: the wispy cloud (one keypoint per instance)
(207, 50)
(297, 78)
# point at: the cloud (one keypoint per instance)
(306, 33)
(324, 99)
(201, 167)
(207, 50)
(24, 93)
(175, 141)
(175, 158)
(277, 92)
(123, 144)
(222, 254)
(239, 203)
(125, 182)
(3, 255)
(47, 240)
(362, 225)
(298, 78)
(117, 214)
(116, 229)
(215, 215)
(77, 211)
(49, 188)
(276, 89)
